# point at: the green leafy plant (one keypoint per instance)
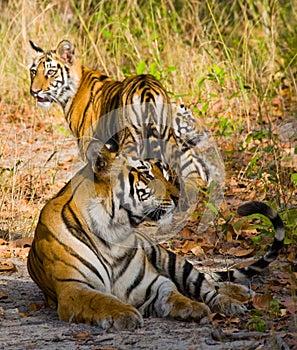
(256, 323)
(255, 222)
(294, 179)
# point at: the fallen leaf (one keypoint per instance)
(3, 295)
(292, 256)
(217, 317)
(261, 302)
(186, 233)
(240, 252)
(230, 331)
(206, 247)
(6, 266)
(81, 335)
(197, 251)
(188, 246)
(283, 312)
(35, 307)
(234, 319)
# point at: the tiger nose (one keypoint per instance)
(34, 92)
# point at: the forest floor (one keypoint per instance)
(25, 322)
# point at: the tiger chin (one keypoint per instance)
(93, 265)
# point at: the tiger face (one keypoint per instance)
(141, 188)
(54, 77)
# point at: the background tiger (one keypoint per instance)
(142, 114)
(91, 263)
(87, 95)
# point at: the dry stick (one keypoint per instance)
(281, 343)
(219, 335)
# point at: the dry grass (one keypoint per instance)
(37, 156)
(230, 60)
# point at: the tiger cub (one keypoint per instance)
(136, 111)
(87, 96)
(91, 262)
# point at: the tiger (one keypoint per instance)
(87, 95)
(134, 111)
(95, 266)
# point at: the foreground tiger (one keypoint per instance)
(142, 112)
(89, 260)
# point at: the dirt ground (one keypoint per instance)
(25, 323)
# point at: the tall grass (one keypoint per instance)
(227, 59)
(251, 40)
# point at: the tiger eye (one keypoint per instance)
(101, 164)
(51, 72)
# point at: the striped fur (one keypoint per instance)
(91, 262)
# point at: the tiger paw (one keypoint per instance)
(101, 310)
(121, 319)
(227, 305)
(236, 291)
(186, 309)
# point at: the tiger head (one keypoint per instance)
(139, 187)
(54, 74)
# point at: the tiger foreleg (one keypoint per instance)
(166, 301)
(198, 285)
(83, 305)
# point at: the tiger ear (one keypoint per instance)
(35, 47)
(66, 51)
(99, 157)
